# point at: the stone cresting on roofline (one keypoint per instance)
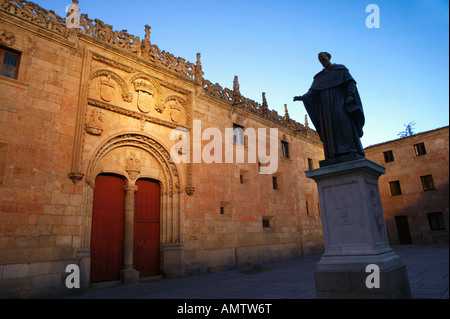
(96, 28)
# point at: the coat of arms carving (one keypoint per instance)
(146, 96)
(107, 88)
(175, 111)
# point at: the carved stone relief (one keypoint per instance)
(146, 96)
(133, 166)
(108, 84)
(94, 121)
(7, 38)
(107, 88)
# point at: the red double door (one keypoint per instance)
(108, 227)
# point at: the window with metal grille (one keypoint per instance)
(9, 63)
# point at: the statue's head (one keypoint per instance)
(324, 58)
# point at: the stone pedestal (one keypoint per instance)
(355, 235)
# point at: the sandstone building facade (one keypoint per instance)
(414, 191)
(90, 118)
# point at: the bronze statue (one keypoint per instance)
(335, 108)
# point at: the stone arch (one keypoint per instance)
(169, 179)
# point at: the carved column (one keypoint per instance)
(129, 275)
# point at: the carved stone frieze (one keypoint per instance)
(112, 63)
(139, 116)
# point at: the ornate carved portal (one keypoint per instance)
(132, 149)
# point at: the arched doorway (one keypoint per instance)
(153, 167)
(146, 248)
(107, 228)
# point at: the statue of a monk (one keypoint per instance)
(335, 108)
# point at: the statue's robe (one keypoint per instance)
(340, 125)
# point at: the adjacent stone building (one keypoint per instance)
(414, 191)
(93, 124)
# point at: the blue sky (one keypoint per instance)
(402, 68)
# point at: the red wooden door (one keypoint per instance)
(107, 228)
(146, 228)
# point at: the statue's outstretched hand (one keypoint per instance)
(298, 98)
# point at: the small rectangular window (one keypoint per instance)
(427, 182)
(307, 208)
(310, 164)
(238, 134)
(388, 156)
(226, 208)
(420, 149)
(275, 182)
(266, 222)
(284, 149)
(9, 63)
(395, 188)
(436, 221)
(243, 177)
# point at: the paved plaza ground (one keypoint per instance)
(427, 265)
